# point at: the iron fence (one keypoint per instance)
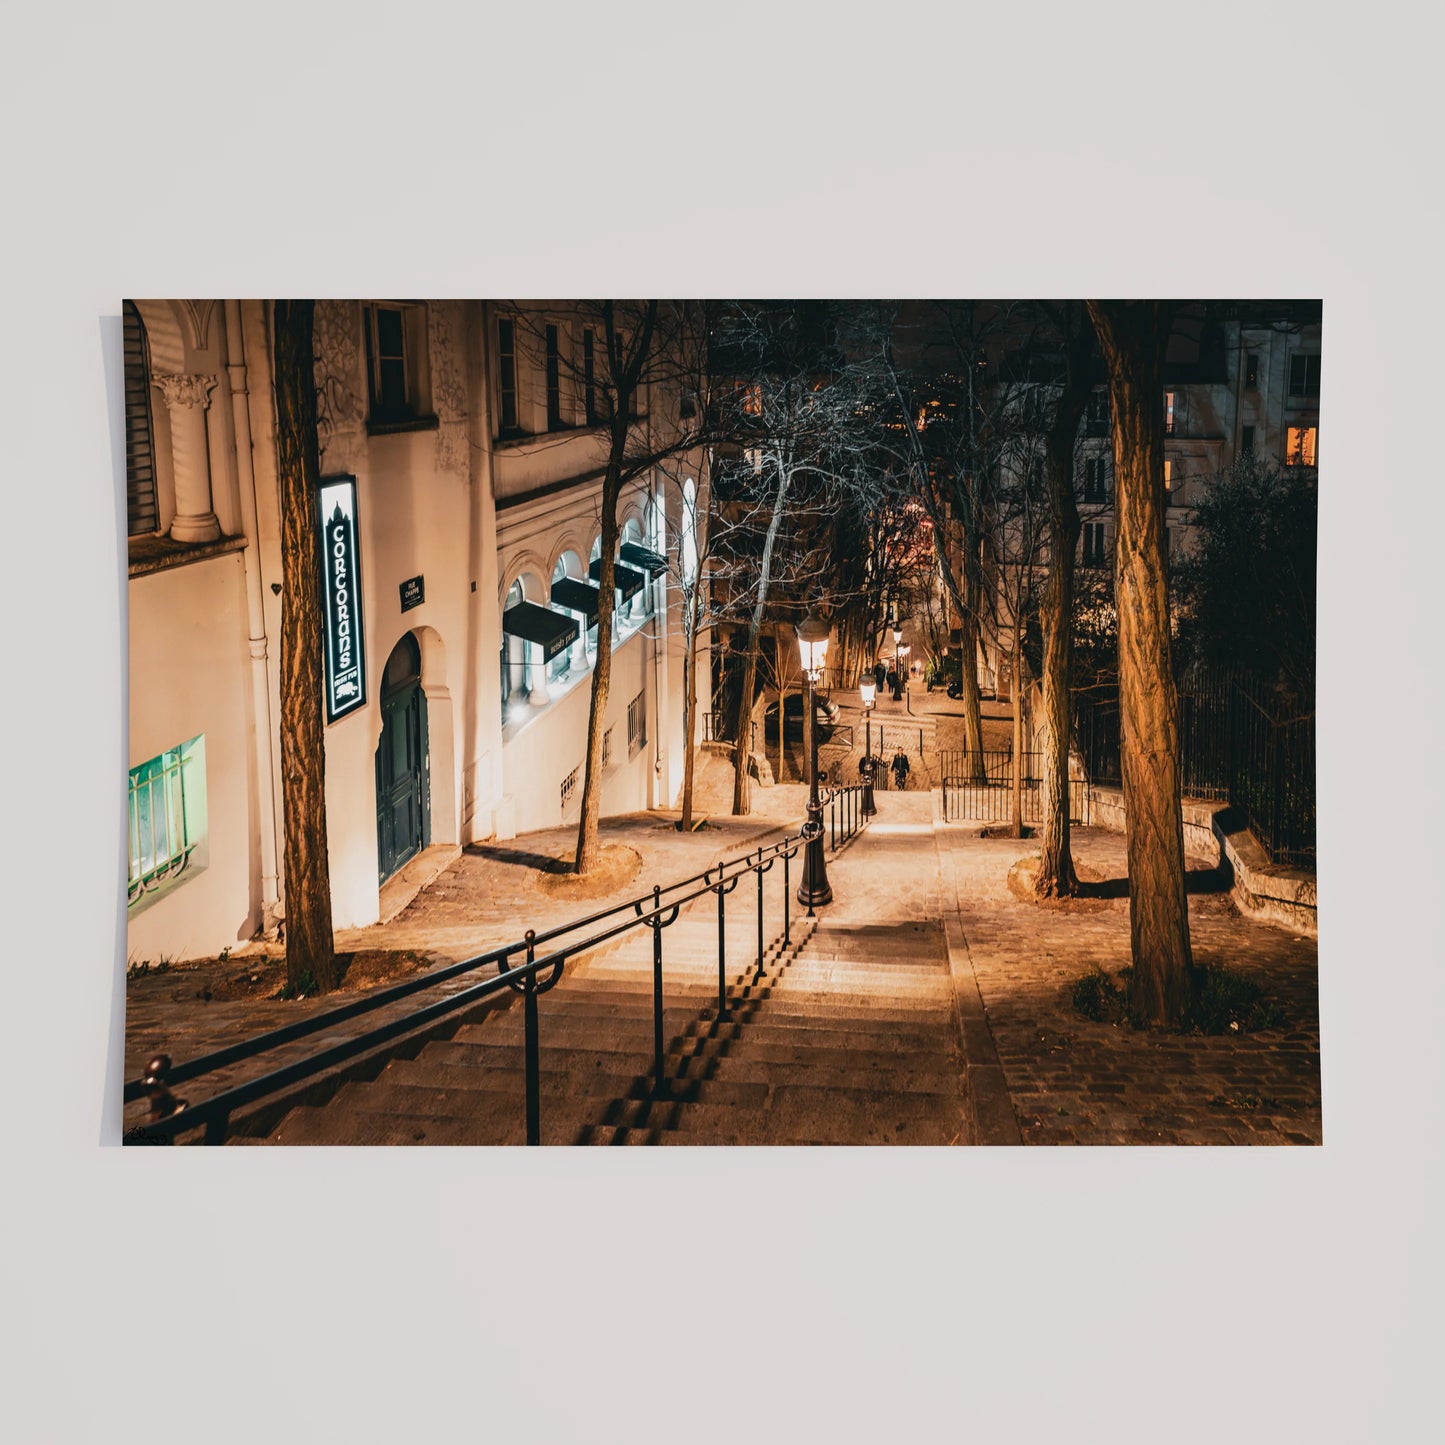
(979, 787)
(1233, 747)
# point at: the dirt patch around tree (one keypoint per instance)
(262, 974)
(1097, 893)
(617, 865)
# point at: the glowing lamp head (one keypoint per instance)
(897, 630)
(812, 644)
(869, 691)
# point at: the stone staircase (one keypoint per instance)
(848, 1035)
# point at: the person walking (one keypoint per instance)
(900, 769)
(880, 673)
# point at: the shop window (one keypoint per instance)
(167, 822)
(398, 376)
(140, 468)
(516, 664)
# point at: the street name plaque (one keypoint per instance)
(413, 593)
(341, 598)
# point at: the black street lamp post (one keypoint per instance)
(869, 691)
(813, 889)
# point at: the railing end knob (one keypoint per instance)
(157, 1069)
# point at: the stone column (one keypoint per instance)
(537, 660)
(186, 399)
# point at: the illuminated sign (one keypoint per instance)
(341, 598)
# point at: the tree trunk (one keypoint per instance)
(1133, 336)
(689, 699)
(1056, 877)
(1016, 691)
(310, 954)
(742, 749)
(589, 848)
(778, 656)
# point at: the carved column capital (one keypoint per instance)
(184, 390)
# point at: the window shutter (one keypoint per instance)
(140, 471)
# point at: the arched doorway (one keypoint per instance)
(403, 783)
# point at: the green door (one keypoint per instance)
(403, 820)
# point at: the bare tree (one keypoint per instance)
(1133, 336)
(1074, 338)
(310, 948)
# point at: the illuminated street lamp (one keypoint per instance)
(868, 689)
(813, 647)
(897, 627)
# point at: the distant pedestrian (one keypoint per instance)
(880, 673)
(893, 683)
(900, 769)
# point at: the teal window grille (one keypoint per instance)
(167, 818)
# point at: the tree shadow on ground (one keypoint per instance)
(522, 858)
(1196, 881)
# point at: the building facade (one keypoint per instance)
(462, 443)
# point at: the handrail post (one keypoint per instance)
(722, 987)
(529, 1014)
(659, 1084)
(787, 900)
(759, 866)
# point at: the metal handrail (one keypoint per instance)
(214, 1113)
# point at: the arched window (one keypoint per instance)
(641, 604)
(516, 666)
(560, 665)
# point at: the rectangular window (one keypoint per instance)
(637, 724)
(1099, 414)
(554, 380)
(1304, 375)
(1094, 544)
(167, 823)
(1094, 479)
(507, 376)
(1169, 481)
(1301, 446)
(1246, 441)
(1251, 370)
(606, 747)
(569, 786)
(1169, 413)
(589, 377)
(396, 365)
(140, 472)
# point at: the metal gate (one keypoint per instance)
(979, 787)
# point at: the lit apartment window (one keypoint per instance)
(396, 365)
(1095, 545)
(1169, 413)
(167, 819)
(1169, 481)
(1301, 446)
(1304, 375)
(140, 470)
(554, 380)
(507, 376)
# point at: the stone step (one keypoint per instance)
(782, 998)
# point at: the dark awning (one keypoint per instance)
(580, 596)
(644, 557)
(551, 631)
(627, 582)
